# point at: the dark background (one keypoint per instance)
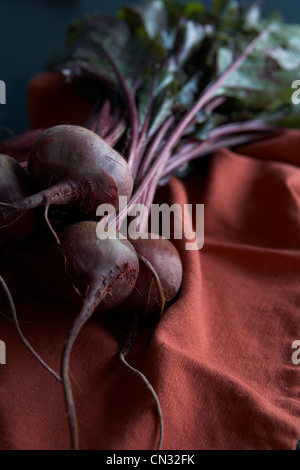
(33, 31)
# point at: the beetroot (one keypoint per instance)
(158, 282)
(73, 166)
(103, 273)
(14, 185)
(159, 279)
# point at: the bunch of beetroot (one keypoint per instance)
(167, 83)
(73, 170)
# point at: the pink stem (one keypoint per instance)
(130, 101)
(153, 147)
(206, 148)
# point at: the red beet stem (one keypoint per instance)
(91, 302)
(61, 193)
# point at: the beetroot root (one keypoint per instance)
(104, 273)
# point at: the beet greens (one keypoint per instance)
(192, 80)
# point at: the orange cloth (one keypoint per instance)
(220, 359)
